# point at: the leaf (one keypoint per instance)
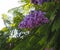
(4, 17)
(23, 45)
(25, 1)
(42, 41)
(56, 24)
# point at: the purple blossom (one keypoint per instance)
(52, 49)
(38, 1)
(34, 19)
(46, 48)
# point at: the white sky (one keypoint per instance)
(5, 5)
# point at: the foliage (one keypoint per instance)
(40, 37)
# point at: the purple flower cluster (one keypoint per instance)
(38, 1)
(34, 19)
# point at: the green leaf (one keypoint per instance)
(56, 24)
(42, 41)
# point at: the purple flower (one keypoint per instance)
(38, 1)
(46, 48)
(34, 19)
(51, 48)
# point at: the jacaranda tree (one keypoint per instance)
(35, 25)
